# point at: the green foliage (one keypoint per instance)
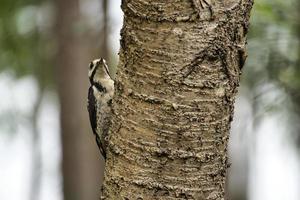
(23, 42)
(273, 48)
(273, 43)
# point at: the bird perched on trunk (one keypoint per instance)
(100, 96)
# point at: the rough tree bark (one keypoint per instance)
(179, 69)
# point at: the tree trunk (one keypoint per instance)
(36, 148)
(104, 51)
(179, 69)
(81, 167)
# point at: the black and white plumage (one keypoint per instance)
(100, 96)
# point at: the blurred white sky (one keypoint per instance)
(274, 164)
(16, 148)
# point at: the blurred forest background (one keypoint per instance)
(47, 150)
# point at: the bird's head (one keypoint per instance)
(98, 70)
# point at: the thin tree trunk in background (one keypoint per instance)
(36, 148)
(295, 95)
(294, 92)
(176, 83)
(104, 52)
(81, 165)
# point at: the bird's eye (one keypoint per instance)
(91, 65)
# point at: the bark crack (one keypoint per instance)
(203, 5)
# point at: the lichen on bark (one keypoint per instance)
(177, 78)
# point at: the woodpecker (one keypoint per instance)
(100, 96)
